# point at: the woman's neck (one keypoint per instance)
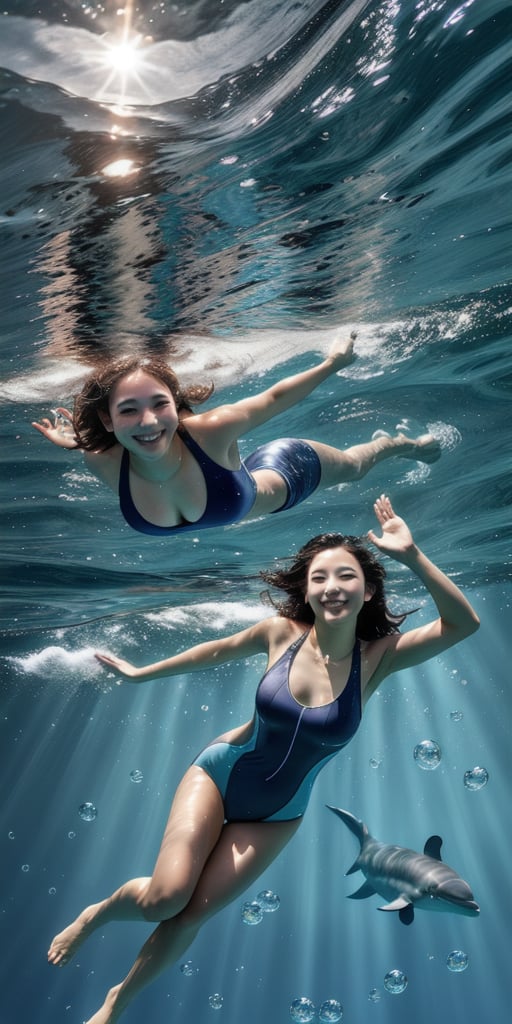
(333, 645)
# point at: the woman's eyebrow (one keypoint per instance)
(133, 401)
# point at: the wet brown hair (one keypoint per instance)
(374, 620)
(94, 397)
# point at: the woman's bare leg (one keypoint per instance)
(352, 464)
(241, 854)
(344, 466)
(193, 827)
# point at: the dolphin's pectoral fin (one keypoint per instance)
(433, 846)
(398, 904)
(404, 907)
(407, 914)
(362, 893)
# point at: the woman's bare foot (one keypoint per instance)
(66, 943)
(105, 1014)
(425, 448)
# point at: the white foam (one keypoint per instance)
(210, 615)
(77, 665)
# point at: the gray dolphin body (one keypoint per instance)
(406, 878)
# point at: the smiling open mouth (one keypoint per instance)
(148, 438)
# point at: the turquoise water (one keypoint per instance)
(291, 168)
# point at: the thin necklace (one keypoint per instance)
(326, 658)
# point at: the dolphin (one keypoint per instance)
(406, 878)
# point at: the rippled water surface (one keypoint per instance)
(228, 184)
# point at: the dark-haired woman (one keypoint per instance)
(175, 471)
(332, 643)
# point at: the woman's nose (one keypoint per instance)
(332, 587)
(148, 416)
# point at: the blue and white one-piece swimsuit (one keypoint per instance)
(271, 775)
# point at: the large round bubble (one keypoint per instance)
(457, 961)
(395, 982)
(216, 1001)
(330, 1012)
(427, 755)
(252, 913)
(268, 901)
(302, 1010)
(87, 811)
(476, 778)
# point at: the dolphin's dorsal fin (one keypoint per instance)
(362, 893)
(433, 846)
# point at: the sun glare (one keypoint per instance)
(124, 56)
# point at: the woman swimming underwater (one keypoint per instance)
(175, 471)
(332, 643)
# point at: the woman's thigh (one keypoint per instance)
(193, 828)
(243, 851)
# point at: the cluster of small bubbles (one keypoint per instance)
(457, 961)
(52, 890)
(252, 913)
(456, 716)
(10, 835)
(302, 1010)
(395, 982)
(87, 811)
(136, 775)
(476, 778)
(71, 835)
(427, 755)
(374, 995)
(268, 901)
(375, 762)
(25, 867)
(215, 1001)
(330, 1012)
(188, 968)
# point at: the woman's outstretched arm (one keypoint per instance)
(253, 640)
(457, 619)
(243, 416)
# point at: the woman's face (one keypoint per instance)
(336, 588)
(142, 415)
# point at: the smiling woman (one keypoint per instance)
(178, 471)
(244, 796)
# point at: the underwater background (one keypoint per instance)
(228, 184)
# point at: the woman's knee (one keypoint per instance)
(160, 905)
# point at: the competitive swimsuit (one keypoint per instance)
(271, 775)
(231, 493)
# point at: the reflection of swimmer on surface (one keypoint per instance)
(176, 471)
(332, 643)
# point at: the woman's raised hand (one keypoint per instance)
(341, 351)
(396, 540)
(61, 431)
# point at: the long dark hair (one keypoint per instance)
(374, 619)
(94, 397)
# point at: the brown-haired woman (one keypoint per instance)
(243, 798)
(175, 471)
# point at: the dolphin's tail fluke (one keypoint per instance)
(357, 827)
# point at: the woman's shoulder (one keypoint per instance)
(105, 465)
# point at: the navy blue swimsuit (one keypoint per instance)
(231, 493)
(271, 775)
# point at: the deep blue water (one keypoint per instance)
(267, 173)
